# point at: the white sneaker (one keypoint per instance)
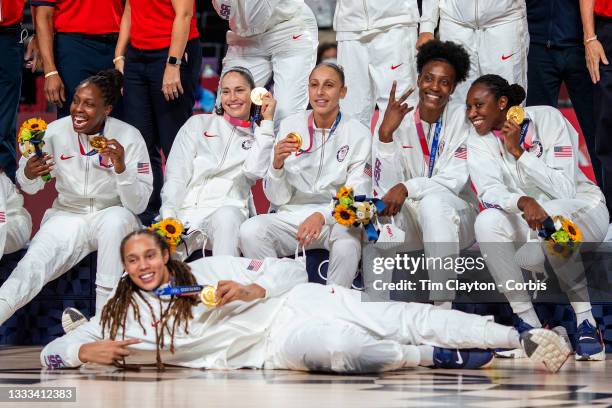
(515, 353)
(72, 318)
(546, 347)
(560, 330)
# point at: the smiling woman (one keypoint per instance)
(421, 157)
(208, 179)
(335, 151)
(100, 191)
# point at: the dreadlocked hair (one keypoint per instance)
(177, 311)
(109, 82)
(500, 87)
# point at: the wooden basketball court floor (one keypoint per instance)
(508, 383)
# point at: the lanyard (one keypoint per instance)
(311, 131)
(429, 156)
(104, 162)
(236, 122)
(524, 132)
(179, 290)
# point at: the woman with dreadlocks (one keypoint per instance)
(267, 317)
(103, 179)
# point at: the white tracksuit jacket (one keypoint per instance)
(298, 326)
(83, 185)
(213, 164)
(548, 169)
(251, 17)
(15, 221)
(403, 160)
(231, 336)
(308, 181)
(471, 13)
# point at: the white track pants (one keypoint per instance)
(500, 50)
(286, 53)
(221, 228)
(442, 224)
(500, 234)
(273, 235)
(63, 240)
(371, 64)
(323, 328)
(15, 232)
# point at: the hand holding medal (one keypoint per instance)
(292, 143)
(512, 130)
(111, 149)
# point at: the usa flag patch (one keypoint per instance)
(255, 265)
(143, 168)
(367, 170)
(2, 216)
(461, 153)
(563, 151)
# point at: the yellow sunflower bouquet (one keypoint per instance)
(562, 237)
(30, 140)
(351, 210)
(171, 230)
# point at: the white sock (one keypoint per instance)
(500, 336)
(587, 315)
(426, 353)
(530, 317)
(101, 297)
(448, 305)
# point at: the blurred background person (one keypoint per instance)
(12, 38)
(376, 46)
(277, 42)
(327, 52)
(77, 39)
(494, 32)
(160, 54)
(597, 35)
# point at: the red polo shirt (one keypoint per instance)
(603, 8)
(11, 12)
(151, 24)
(85, 16)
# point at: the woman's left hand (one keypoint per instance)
(116, 153)
(229, 291)
(512, 138)
(171, 85)
(268, 106)
(310, 229)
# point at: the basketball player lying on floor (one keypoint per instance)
(267, 316)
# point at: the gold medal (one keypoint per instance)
(98, 143)
(295, 137)
(516, 114)
(208, 296)
(257, 95)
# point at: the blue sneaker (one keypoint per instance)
(521, 327)
(468, 358)
(589, 343)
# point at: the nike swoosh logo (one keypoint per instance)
(209, 135)
(505, 57)
(459, 358)
(586, 338)
(295, 37)
(407, 147)
(62, 157)
(394, 67)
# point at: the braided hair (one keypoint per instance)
(178, 310)
(109, 82)
(500, 87)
